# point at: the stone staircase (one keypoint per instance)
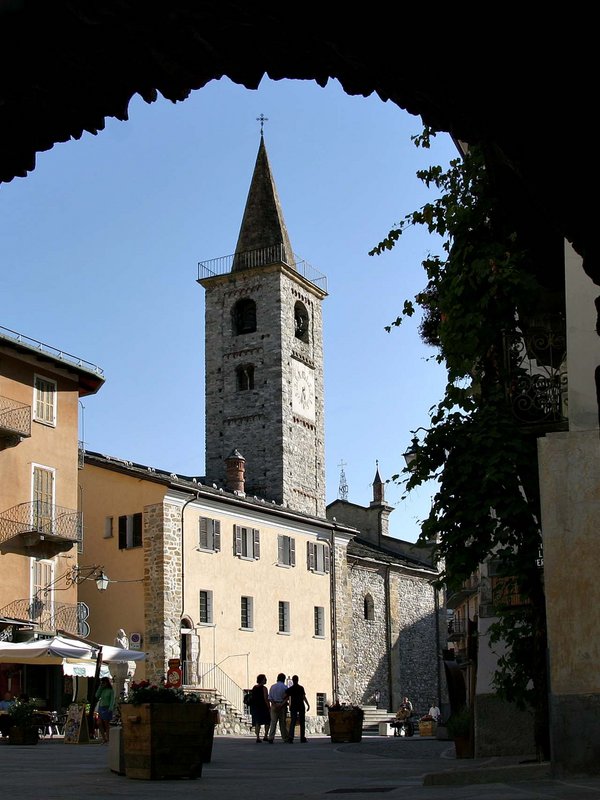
(373, 716)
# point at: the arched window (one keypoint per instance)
(244, 316)
(369, 607)
(301, 322)
(244, 377)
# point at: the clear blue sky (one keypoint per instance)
(100, 244)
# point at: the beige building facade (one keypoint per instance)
(40, 519)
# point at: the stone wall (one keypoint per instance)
(416, 641)
(344, 623)
(162, 586)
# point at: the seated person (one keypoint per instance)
(403, 713)
(7, 701)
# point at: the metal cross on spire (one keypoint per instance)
(262, 119)
(343, 489)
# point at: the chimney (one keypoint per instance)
(235, 465)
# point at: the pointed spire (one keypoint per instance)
(378, 486)
(263, 227)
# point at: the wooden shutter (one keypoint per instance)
(256, 537)
(203, 542)
(137, 530)
(216, 534)
(310, 556)
(292, 552)
(280, 549)
(237, 540)
(326, 558)
(123, 533)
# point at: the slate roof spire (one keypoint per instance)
(263, 237)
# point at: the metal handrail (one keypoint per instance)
(15, 417)
(276, 254)
(60, 355)
(211, 676)
(43, 518)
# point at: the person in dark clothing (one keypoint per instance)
(298, 700)
(259, 707)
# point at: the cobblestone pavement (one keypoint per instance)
(242, 770)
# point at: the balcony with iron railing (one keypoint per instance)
(15, 420)
(39, 529)
(260, 258)
(537, 373)
(457, 629)
(45, 615)
(469, 588)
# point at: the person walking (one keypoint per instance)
(297, 698)
(259, 707)
(105, 696)
(279, 703)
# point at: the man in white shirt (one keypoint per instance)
(278, 701)
(434, 712)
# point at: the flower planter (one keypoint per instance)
(346, 726)
(166, 740)
(22, 735)
(428, 728)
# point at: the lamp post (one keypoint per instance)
(410, 456)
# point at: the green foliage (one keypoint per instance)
(146, 692)
(487, 499)
(21, 714)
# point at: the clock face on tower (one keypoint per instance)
(303, 391)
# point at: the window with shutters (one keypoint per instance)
(286, 551)
(246, 542)
(284, 616)
(41, 606)
(206, 607)
(319, 622)
(43, 499)
(321, 700)
(130, 531)
(209, 534)
(247, 613)
(44, 400)
(317, 557)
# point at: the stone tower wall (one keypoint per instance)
(285, 454)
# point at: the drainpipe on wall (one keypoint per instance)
(187, 502)
(333, 612)
(436, 597)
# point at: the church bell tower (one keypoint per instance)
(264, 357)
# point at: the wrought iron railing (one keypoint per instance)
(42, 518)
(457, 628)
(44, 614)
(275, 254)
(537, 372)
(211, 676)
(15, 417)
(60, 355)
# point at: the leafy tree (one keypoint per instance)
(487, 501)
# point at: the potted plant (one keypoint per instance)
(23, 728)
(345, 722)
(166, 732)
(459, 727)
(427, 725)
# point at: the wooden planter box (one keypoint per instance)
(428, 728)
(166, 740)
(346, 726)
(19, 735)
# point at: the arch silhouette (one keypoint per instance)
(524, 105)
